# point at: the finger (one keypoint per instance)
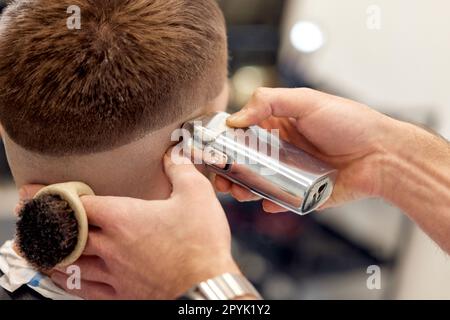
(184, 177)
(271, 207)
(100, 210)
(281, 102)
(27, 192)
(92, 268)
(222, 184)
(96, 243)
(239, 193)
(243, 195)
(87, 289)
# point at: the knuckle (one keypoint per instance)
(103, 250)
(306, 91)
(95, 245)
(259, 94)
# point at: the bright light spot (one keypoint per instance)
(245, 81)
(307, 37)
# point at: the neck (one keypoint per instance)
(134, 170)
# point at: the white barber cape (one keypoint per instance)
(17, 273)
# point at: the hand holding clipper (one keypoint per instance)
(261, 162)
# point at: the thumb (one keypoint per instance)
(184, 177)
(279, 102)
(104, 211)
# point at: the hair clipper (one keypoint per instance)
(261, 162)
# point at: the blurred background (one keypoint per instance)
(389, 54)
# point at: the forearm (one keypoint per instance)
(416, 178)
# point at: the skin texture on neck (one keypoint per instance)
(134, 170)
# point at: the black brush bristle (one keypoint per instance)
(47, 231)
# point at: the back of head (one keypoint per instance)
(133, 67)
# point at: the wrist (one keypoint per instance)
(416, 180)
(205, 269)
(227, 286)
(398, 148)
(389, 157)
(381, 158)
(414, 166)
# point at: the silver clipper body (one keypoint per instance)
(261, 162)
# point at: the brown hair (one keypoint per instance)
(133, 67)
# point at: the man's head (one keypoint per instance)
(134, 69)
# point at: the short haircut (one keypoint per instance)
(133, 67)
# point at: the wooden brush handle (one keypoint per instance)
(71, 192)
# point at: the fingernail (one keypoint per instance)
(235, 118)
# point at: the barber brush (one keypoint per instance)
(52, 229)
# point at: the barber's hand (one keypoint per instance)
(348, 135)
(153, 249)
